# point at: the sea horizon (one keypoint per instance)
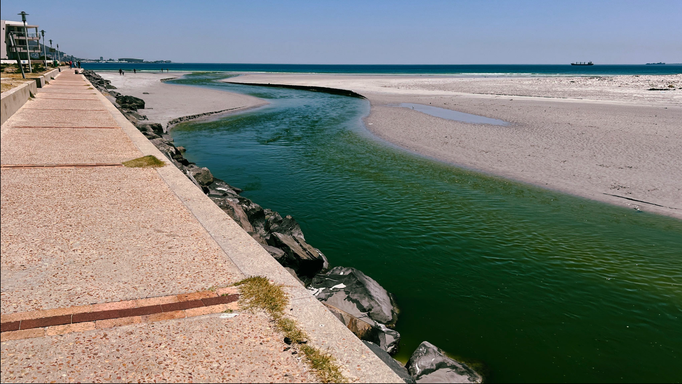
(404, 69)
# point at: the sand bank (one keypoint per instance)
(165, 102)
(609, 139)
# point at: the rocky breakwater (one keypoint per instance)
(356, 299)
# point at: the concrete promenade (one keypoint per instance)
(112, 273)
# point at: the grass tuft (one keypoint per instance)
(258, 292)
(148, 161)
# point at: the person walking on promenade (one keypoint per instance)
(79, 63)
(134, 70)
(120, 71)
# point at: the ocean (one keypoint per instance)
(457, 70)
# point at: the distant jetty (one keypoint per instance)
(588, 63)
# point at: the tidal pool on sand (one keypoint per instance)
(533, 284)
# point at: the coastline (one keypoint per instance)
(165, 102)
(411, 111)
(283, 239)
(616, 146)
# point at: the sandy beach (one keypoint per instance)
(608, 138)
(165, 102)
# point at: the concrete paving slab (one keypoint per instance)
(81, 235)
(62, 118)
(66, 146)
(67, 105)
(66, 91)
(65, 97)
(215, 348)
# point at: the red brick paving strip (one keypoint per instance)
(106, 315)
(34, 127)
(61, 165)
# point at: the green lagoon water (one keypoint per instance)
(532, 284)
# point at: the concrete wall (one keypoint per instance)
(42, 80)
(15, 98)
(3, 45)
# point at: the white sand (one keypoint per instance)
(165, 102)
(588, 136)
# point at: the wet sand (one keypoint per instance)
(165, 102)
(609, 139)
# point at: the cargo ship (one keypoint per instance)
(588, 63)
(655, 63)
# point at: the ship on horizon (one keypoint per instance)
(659, 63)
(588, 63)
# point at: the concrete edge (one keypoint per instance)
(325, 330)
(15, 98)
(44, 79)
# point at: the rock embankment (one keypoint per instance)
(356, 299)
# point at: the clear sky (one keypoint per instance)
(363, 32)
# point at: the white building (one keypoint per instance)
(21, 35)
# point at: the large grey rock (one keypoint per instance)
(287, 225)
(391, 362)
(429, 364)
(221, 188)
(130, 102)
(150, 130)
(201, 174)
(235, 211)
(300, 256)
(368, 330)
(256, 215)
(356, 293)
(360, 303)
(165, 147)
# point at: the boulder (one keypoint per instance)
(133, 116)
(130, 102)
(255, 214)
(391, 362)
(360, 303)
(165, 147)
(429, 364)
(356, 293)
(287, 225)
(202, 175)
(221, 188)
(368, 330)
(300, 256)
(150, 130)
(235, 211)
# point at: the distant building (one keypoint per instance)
(130, 60)
(16, 30)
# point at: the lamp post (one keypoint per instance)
(59, 55)
(42, 32)
(28, 53)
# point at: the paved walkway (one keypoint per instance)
(106, 274)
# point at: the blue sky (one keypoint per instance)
(363, 32)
